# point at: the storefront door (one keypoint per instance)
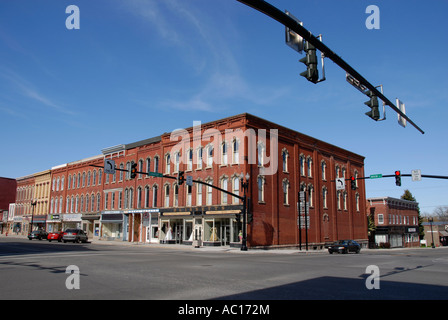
(178, 229)
(198, 232)
(225, 234)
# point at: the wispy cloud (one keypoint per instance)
(211, 55)
(29, 90)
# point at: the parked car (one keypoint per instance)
(344, 246)
(75, 235)
(57, 235)
(37, 234)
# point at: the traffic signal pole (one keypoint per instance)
(289, 22)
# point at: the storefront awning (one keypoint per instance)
(443, 233)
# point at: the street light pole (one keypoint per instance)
(33, 204)
(432, 233)
(245, 186)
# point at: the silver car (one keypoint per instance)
(75, 235)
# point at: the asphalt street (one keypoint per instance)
(31, 270)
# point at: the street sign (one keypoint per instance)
(356, 83)
(109, 166)
(292, 39)
(302, 221)
(416, 175)
(340, 183)
(401, 120)
(189, 181)
(155, 174)
(376, 176)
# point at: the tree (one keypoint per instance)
(407, 195)
(441, 212)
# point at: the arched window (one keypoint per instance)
(167, 195)
(148, 164)
(167, 163)
(224, 153)
(309, 162)
(139, 197)
(285, 156)
(199, 194)
(261, 152)
(199, 160)
(146, 196)
(260, 184)
(154, 196)
(285, 187)
(324, 197)
(324, 169)
(121, 172)
(209, 155)
(190, 159)
(224, 185)
(235, 189)
(156, 164)
(176, 195)
(98, 202)
(236, 152)
(140, 167)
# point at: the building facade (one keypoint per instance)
(436, 232)
(396, 222)
(8, 189)
(19, 221)
(276, 162)
(41, 198)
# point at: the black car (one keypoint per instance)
(344, 246)
(38, 234)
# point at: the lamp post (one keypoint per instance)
(245, 187)
(33, 204)
(432, 234)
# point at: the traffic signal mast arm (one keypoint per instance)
(176, 178)
(289, 22)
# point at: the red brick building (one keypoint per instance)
(396, 222)
(20, 222)
(7, 196)
(280, 162)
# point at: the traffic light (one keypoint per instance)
(133, 170)
(353, 183)
(238, 217)
(250, 217)
(180, 178)
(311, 73)
(373, 103)
(398, 178)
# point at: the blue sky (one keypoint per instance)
(136, 69)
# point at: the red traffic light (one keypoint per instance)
(398, 178)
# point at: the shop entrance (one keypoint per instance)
(178, 232)
(198, 232)
(225, 234)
